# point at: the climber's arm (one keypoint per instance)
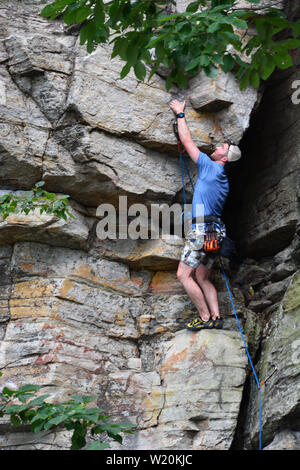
(184, 132)
(186, 139)
(191, 149)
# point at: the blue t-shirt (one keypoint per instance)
(211, 187)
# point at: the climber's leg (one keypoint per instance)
(185, 276)
(202, 275)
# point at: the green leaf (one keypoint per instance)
(90, 46)
(76, 12)
(180, 79)
(98, 446)
(126, 10)
(29, 388)
(24, 397)
(217, 59)
(254, 79)
(169, 82)
(125, 70)
(43, 414)
(120, 47)
(115, 436)
(87, 32)
(99, 13)
(296, 28)
(38, 400)
(132, 53)
(70, 13)
(283, 61)
(78, 437)
(77, 398)
(245, 80)
(238, 22)
(39, 184)
(49, 10)
(15, 420)
(8, 392)
(184, 28)
(192, 7)
(54, 9)
(26, 415)
(155, 40)
(192, 64)
(232, 38)
(204, 60)
(163, 19)
(213, 27)
(262, 28)
(82, 14)
(57, 420)
(15, 408)
(140, 71)
(291, 43)
(228, 63)
(37, 426)
(211, 71)
(268, 67)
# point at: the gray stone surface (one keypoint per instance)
(280, 354)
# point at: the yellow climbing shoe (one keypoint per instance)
(199, 324)
(218, 323)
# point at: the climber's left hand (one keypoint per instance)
(177, 106)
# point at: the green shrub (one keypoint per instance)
(71, 415)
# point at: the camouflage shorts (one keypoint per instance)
(193, 253)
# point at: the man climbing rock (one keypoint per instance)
(210, 192)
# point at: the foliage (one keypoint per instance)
(72, 415)
(204, 37)
(48, 202)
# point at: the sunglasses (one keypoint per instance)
(229, 141)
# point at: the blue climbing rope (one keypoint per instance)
(252, 366)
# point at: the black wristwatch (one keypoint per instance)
(180, 115)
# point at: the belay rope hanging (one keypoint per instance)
(250, 361)
(213, 245)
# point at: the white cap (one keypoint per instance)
(234, 153)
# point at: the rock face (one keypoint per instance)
(79, 314)
(280, 357)
(193, 402)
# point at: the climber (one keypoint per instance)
(211, 191)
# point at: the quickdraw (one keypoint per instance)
(211, 243)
